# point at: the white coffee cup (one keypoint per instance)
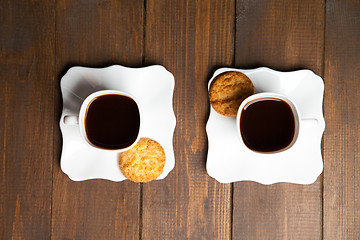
(298, 121)
(80, 118)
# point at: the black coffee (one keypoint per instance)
(267, 125)
(112, 121)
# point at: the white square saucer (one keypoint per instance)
(229, 161)
(152, 86)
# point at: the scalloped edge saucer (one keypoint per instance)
(228, 161)
(152, 86)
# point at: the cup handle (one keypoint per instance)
(71, 120)
(309, 122)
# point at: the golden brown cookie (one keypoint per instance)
(228, 90)
(144, 162)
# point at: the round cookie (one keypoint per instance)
(228, 90)
(144, 162)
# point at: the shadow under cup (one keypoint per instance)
(268, 123)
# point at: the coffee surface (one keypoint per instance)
(112, 121)
(267, 125)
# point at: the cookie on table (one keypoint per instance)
(228, 90)
(144, 162)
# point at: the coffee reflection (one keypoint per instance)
(267, 124)
(112, 121)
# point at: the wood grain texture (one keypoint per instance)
(40, 40)
(190, 38)
(95, 34)
(342, 114)
(284, 35)
(26, 127)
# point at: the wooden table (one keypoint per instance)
(40, 40)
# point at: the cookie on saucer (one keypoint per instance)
(228, 90)
(144, 162)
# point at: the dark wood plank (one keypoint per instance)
(284, 35)
(190, 38)
(342, 114)
(95, 33)
(26, 128)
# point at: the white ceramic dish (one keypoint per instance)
(152, 86)
(229, 161)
